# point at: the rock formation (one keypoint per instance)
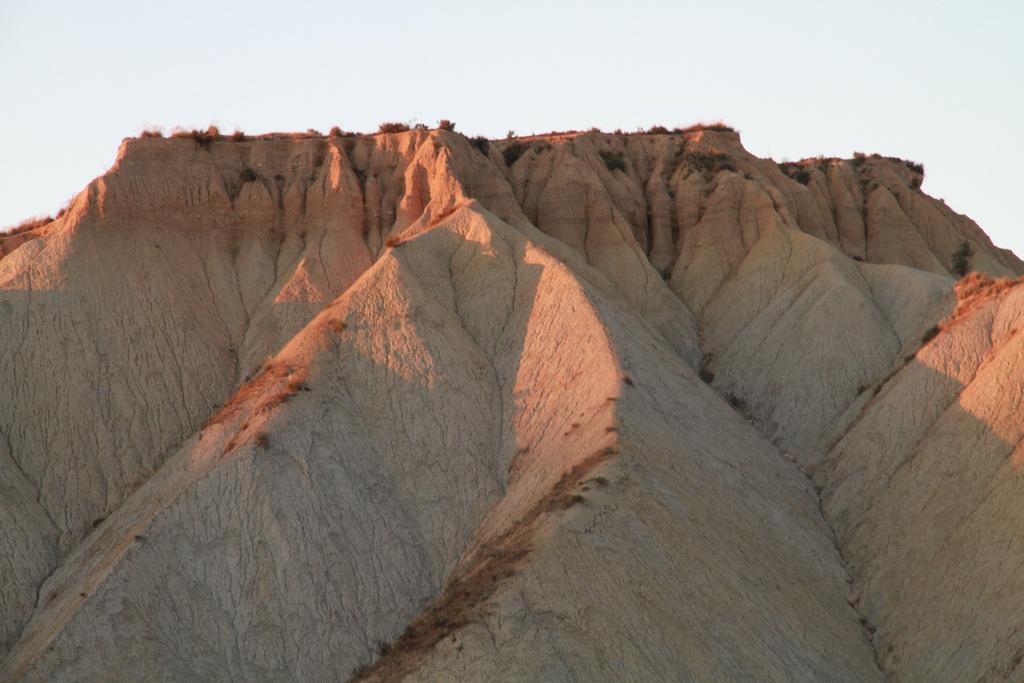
(570, 407)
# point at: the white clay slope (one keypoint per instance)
(444, 395)
(483, 452)
(924, 491)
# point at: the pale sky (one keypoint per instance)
(937, 82)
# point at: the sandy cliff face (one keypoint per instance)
(731, 235)
(269, 404)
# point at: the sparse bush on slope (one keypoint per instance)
(481, 143)
(962, 260)
(513, 151)
(797, 172)
(614, 160)
(716, 126)
(204, 138)
(392, 127)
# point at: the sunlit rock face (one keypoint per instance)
(570, 407)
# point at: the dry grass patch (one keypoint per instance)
(392, 127)
(27, 225)
(716, 126)
(436, 220)
(477, 577)
(977, 288)
(260, 395)
(203, 138)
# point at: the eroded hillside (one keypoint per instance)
(411, 405)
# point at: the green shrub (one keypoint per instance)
(204, 138)
(614, 160)
(797, 172)
(481, 143)
(709, 163)
(717, 126)
(962, 260)
(28, 224)
(914, 166)
(392, 127)
(737, 403)
(513, 151)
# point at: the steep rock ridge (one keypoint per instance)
(799, 331)
(639, 582)
(679, 194)
(179, 271)
(321, 508)
(167, 281)
(758, 256)
(924, 489)
(351, 479)
(563, 196)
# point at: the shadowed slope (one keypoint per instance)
(924, 492)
